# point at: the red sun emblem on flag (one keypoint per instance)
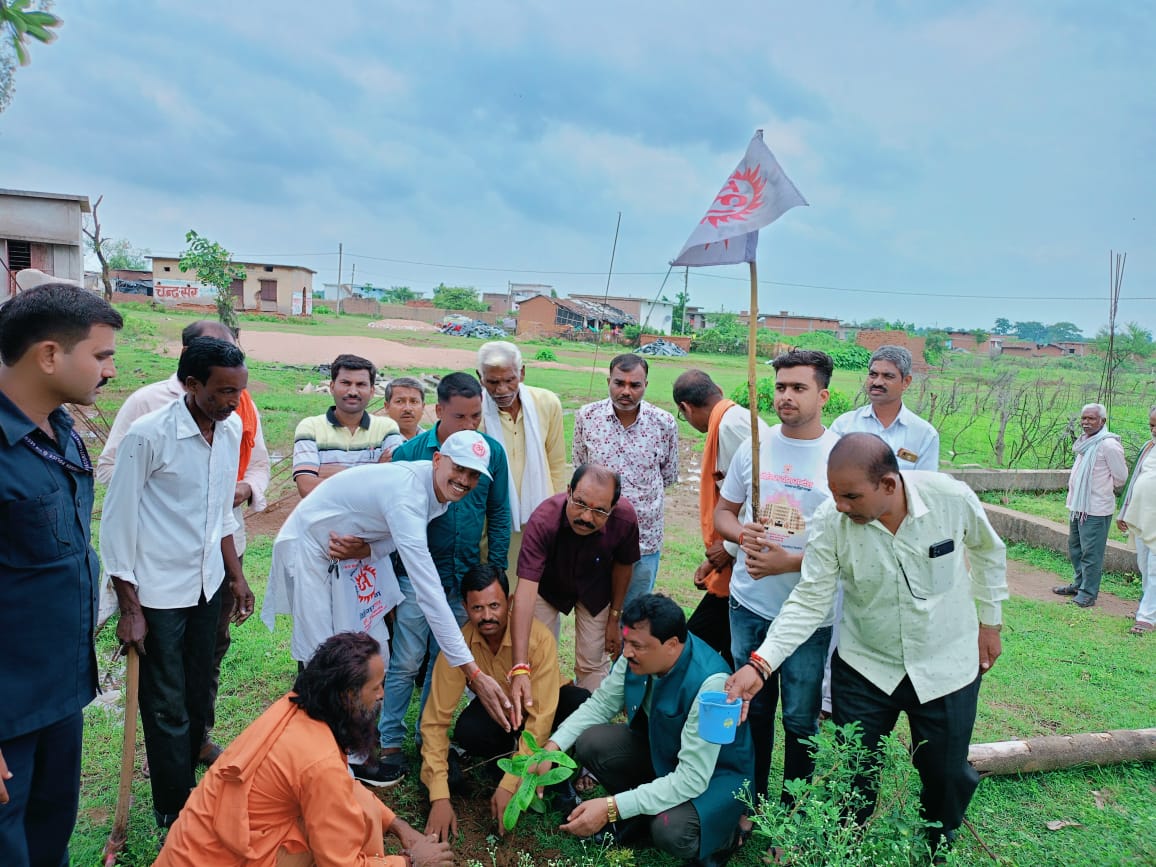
(479, 449)
(740, 196)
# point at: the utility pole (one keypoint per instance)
(340, 250)
(352, 279)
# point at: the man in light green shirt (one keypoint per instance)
(910, 639)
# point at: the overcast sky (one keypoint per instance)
(963, 161)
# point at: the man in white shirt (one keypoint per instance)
(792, 485)
(331, 567)
(527, 421)
(1098, 472)
(914, 441)
(166, 537)
(253, 480)
(727, 426)
(910, 640)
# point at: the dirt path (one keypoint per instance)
(388, 354)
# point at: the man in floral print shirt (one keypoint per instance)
(639, 441)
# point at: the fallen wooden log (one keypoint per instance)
(1056, 752)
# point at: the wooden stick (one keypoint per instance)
(753, 390)
(119, 835)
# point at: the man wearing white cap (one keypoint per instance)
(331, 570)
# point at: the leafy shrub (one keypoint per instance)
(837, 404)
(545, 355)
(322, 310)
(820, 828)
(526, 767)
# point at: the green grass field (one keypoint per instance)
(1063, 670)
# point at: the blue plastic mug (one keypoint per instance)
(718, 718)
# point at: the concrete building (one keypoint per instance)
(503, 302)
(658, 315)
(285, 289)
(43, 231)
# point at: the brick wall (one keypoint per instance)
(872, 340)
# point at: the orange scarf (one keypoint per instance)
(247, 410)
(717, 583)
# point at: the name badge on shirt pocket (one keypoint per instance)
(906, 455)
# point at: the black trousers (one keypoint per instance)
(175, 683)
(481, 737)
(711, 622)
(37, 821)
(940, 732)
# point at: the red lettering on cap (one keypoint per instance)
(480, 448)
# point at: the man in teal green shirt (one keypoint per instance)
(454, 541)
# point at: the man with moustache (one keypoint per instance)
(527, 421)
(486, 594)
(914, 441)
(455, 539)
(331, 565)
(666, 781)
(281, 793)
(405, 404)
(57, 343)
(771, 537)
(1098, 471)
(578, 552)
(346, 435)
(166, 536)
(915, 556)
(252, 480)
(638, 441)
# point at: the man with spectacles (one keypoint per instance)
(578, 551)
(910, 637)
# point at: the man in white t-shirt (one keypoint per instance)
(793, 484)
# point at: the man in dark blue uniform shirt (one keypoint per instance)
(56, 343)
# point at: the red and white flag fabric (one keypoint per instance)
(756, 194)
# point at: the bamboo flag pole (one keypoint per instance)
(752, 388)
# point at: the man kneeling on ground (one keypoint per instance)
(486, 592)
(281, 794)
(665, 778)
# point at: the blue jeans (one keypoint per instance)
(411, 640)
(643, 576)
(1087, 541)
(799, 679)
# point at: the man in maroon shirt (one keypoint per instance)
(578, 550)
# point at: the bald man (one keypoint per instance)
(910, 638)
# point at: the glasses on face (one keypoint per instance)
(681, 414)
(584, 507)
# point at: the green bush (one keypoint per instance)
(545, 355)
(837, 404)
(820, 828)
(321, 310)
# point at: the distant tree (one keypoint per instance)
(20, 22)
(215, 267)
(1133, 341)
(457, 298)
(99, 245)
(934, 345)
(1064, 332)
(398, 295)
(681, 300)
(1036, 332)
(1002, 326)
(123, 256)
(981, 336)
